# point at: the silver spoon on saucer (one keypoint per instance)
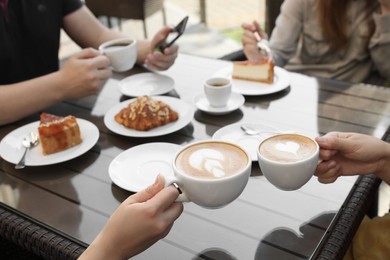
(251, 131)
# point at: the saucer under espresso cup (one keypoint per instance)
(288, 161)
(218, 91)
(210, 173)
(235, 102)
(122, 53)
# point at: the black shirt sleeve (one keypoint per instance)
(70, 6)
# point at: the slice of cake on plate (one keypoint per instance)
(259, 72)
(58, 133)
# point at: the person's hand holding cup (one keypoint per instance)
(288, 161)
(210, 173)
(122, 53)
(218, 91)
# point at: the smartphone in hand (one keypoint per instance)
(178, 30)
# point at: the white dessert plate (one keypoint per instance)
(148, 83)
(137, 167)
(185, 110)
(236, 101)
(252, 88)
(11, 148)
(233, 133)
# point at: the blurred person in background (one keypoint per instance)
(339, 39)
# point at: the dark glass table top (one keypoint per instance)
(76, 197)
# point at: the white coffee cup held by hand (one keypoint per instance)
(210, 173)
(122, 53)
(218, 91)
(288, 161)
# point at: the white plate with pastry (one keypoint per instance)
(11, 148)
(234, 133)
(184, 110)
(137, 167)
(148, 83)
(235, 102)
(252, 88)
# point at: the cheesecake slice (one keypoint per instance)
(259, 72)
(58, 133)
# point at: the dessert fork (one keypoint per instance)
(28, 142)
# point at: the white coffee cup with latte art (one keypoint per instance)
(210, 173)
(288, 161)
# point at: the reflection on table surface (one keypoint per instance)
(77, 196)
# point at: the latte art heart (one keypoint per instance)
(287, 148)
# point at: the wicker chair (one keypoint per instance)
(127, 9)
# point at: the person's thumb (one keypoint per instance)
(149, 192)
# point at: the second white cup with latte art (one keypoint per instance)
(288, 161)
(210, 173)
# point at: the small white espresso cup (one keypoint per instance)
(122, 52)
(288, 161)
(218, 91)
(210, 173)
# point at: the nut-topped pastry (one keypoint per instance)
(146, 113)
(58, 133)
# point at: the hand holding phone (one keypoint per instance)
(179, 29)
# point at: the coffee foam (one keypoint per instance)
(288, 148)
(211, 160)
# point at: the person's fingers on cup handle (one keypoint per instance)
(327, 154)
(96, 59)
(327, 171)
(335, 141)
(165, 204)
(87, 53)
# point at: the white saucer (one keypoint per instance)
(233, 133)
(137, 167)
(148, 83)
(236, 101)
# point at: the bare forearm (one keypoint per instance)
(25, 98)
(143, 49)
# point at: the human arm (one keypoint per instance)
(346, 154)
(139, 222)
(253, 35)
(92, 33)
(81, 75)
